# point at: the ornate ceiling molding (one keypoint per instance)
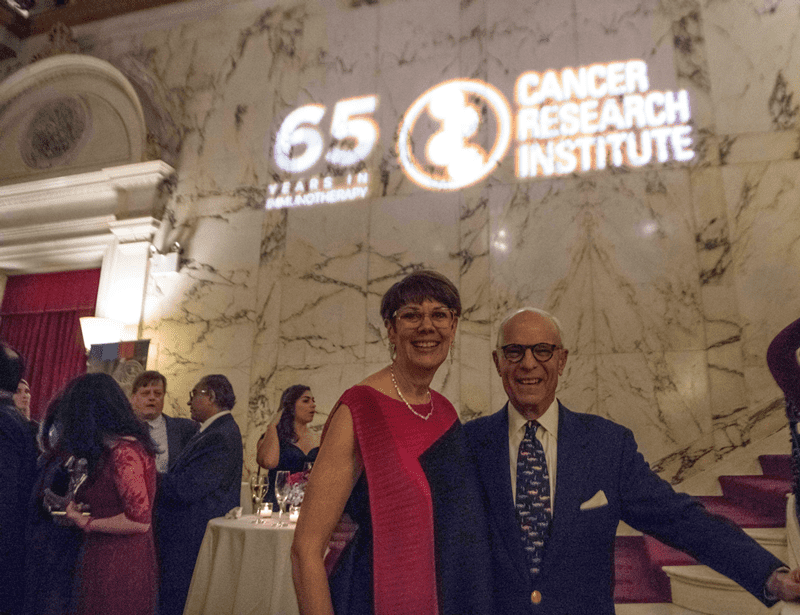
(69, 222)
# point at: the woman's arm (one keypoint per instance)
(133, 470)
(119, 524)
(268, 453)
(336, 471)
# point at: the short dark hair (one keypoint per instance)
(145, 379)
(12, 366)
(285, 426)
(418, 286)
(222, 388)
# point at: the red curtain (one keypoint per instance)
(39, 317)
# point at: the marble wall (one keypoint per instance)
(670, 279)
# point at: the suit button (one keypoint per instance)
(536, 596)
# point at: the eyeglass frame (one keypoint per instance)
(532, 347)
(452, 311)
(199, 392)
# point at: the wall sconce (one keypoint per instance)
(168, 263)
(100, 331)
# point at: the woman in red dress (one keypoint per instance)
(393, 457)
(94, 421)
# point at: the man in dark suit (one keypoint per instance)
(170, 433)
(557, 483)
(202, 483)
(17, 473)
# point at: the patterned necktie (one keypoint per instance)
(533, 497)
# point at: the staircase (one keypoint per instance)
(648, 571)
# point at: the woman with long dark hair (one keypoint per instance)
(288, 443)
(94, 421)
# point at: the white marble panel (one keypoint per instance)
(399, 85)
(644, 264)
(578, 386)
(763, 208)
(661, 397)
(754, 56)
(406, 234)
(323, 293)
(475, 369)
(683, 23)
(474, 255)
(267, 326)
(209, 309)
(412, 31)
(537, 241)
(712, 237)
(527, 36)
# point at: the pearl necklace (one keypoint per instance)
(424, 417)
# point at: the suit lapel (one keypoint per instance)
(172, 443)
(570, 475)
(496, 478)
(194, 442)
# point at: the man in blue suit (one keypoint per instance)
(202, 483)
(557, 483)
(171, 434)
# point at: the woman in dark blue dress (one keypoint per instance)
(288, 443)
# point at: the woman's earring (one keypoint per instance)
(392, 351)
(452, 350)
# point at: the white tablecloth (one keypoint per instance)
(243, 569)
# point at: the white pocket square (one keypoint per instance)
(596, 501)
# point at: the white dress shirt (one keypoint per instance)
(158, 431)
(547, 434)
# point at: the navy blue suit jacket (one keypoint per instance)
(179, 432)
(204, 482)
(17, 473)
(595, 454)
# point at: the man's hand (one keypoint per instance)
(784, 585)
(343, 533)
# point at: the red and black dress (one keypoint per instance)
(422, 544)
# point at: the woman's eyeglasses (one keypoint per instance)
(441, 318)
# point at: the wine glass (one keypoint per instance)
(282, 488)
(258, 489)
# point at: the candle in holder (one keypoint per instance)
(266, 509)
(294, 513)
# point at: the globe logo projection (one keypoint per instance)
(443, 137)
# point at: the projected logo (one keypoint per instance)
(572, 120)
(441, 135)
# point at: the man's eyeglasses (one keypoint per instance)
(542, 352)
(441, 318)
(193, 393)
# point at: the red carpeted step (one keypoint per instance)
(636, 580)
(749, 501)
(762, 493)
(777, 466)
(744, 515)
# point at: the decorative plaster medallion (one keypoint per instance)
(56, 132)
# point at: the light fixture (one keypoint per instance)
(97, 330)
(165, 263)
